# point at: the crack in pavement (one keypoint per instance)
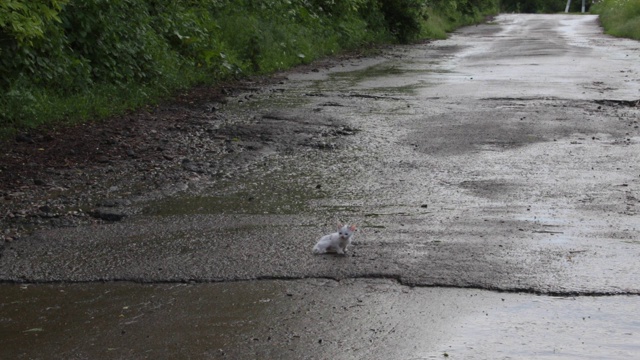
(398, 279)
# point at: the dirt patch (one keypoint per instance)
(92, 172)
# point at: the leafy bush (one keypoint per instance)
(28, 20)
(113, 38)
(72, 60)
(404, 18)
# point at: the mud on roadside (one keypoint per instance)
(98, 172)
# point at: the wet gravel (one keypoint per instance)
(99, 172)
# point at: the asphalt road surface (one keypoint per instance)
(495, 180)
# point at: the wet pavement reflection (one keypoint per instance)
(309, 319)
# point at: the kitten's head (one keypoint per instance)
(346, 231)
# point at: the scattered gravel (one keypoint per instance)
(97, 172)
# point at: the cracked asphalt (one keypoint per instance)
(494, 177)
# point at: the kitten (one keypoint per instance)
(336, 242)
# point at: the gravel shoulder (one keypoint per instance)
(95, 173)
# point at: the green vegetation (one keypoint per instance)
(536, 6)
(541, 6)
(68, 61)
(619, 17)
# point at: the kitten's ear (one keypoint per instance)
(352, 227)
(339, 224)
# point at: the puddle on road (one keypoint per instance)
(282, 190)
(387, 69)
(311, 319)
(386, 78)
(129, 320)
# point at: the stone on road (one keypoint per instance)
(503, 158)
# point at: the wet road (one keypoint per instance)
(504, 158)
(310, 319)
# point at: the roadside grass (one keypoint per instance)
(31, 107)
(437, 26)
(619, 18)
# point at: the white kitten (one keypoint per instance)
(336, 242)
